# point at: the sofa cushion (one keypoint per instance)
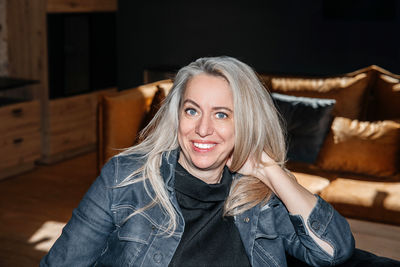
(150, 89)
(379, 201)
(386, 104)
(307, 121)
(314, 183)
(361, 147)
(349, 92)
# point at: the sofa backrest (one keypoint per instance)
(120, 117)
(368, 94)
(366, 114)
(376, 96)
(384, 101)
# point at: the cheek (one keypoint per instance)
(184, 128)
(228, 133)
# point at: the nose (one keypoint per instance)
(204, 126)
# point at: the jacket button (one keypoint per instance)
(157, 257)
(315, 225)
(246, 220)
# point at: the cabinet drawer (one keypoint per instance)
(70, 112)
(73, 139)
(73, 106)
(18, 116)
(19, 148)
(72, 126)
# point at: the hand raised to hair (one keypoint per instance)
(255, 168)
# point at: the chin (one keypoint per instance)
(205, 164)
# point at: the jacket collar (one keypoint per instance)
(168, 165)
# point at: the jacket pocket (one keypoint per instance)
(137, 228)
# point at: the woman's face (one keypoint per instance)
(206, 128)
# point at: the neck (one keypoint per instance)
(212, 176)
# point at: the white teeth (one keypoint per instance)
(203, 146)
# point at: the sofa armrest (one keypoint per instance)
(120, 117)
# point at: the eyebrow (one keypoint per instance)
(214, 108)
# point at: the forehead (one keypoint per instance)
(209, 88)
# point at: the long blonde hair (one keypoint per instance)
(257, 129)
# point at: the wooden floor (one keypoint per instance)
(35, 206)
(43, 197)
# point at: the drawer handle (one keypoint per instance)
(18, 141)
(17, 112)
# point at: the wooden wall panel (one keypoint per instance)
(58, 6)
(27, 49)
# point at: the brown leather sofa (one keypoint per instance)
(121, 115)
(357, 169)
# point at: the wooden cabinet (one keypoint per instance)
(25, 115)
(19, 137)
(70, 122)
(41, 128)
(72, 126)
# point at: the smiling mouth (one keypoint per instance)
(203, 146)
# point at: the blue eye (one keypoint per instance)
(221, 115)
(190, 111)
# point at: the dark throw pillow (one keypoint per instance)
(308, 121)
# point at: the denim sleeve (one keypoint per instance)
(327, 224)
(84, 237)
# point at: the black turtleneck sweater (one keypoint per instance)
(209, 239)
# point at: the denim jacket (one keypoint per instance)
(98, 233)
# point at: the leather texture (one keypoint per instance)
(362, 147)
(371, 200)
(387, 98)
(349, 92)
(121, 116)
(156, 102)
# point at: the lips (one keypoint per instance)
(203, 146)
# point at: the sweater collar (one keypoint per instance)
(168, 165)
(195, 188)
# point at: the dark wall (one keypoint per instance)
(316, 37)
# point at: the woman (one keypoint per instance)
(207, 186)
